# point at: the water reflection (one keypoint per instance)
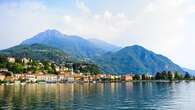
(137, 95)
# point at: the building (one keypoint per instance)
(6, 75)
(61, 78)
(57, 68)
(99, 77)
(30, 77)
(61, 69)
(127, 77)
(77, 77)
(4, 70)
(25, 60)
(2, 77)
(11, 59)
(18, 76)
(40, 77)
(9, 76)
(92, 78)
(85, 78)
(70, 79)
(47, 78)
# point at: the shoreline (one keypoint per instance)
(98, 82)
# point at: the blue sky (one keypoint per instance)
(163, 26)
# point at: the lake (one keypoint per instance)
(100, 96)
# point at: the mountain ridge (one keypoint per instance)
(37, 52)
(73, 45)
(104, 45)
(135, 59)
(189, 70)
(130, 59)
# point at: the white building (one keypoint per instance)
(25, 60)
(11, 59)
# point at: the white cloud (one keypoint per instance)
(22, 20)
(162, 27)
(105, 26)
(165, 26)
(83, 8)
(107, 14)
(67, 18)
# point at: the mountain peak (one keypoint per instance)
(52, 33)
(134, 47)
(137, 46)
(48, 35)
(71, 44)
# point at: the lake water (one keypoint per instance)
(108, 96)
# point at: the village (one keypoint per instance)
(67, 75)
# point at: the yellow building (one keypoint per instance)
(2, 77)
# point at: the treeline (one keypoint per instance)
(165, 75)
(172, 76)
(86, 68)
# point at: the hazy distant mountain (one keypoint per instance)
(135, 59)
(73, 45)
(189, 71)
(104, 45)
(37, 52)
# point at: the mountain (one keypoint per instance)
(111, 59)
(104, 45)
(73, 45)
(37, 52)
(189, 71)
(45, 53)
(135, 59)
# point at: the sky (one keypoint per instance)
(163, 26)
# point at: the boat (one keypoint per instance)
(22, 83)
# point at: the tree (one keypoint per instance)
(178, 76)
(86, 68)
(187, 76)
(3, 59)
(16, 67)
(164, 75)
(158, 76)
(170, 75)
(136, 77)
(144, 77)
(53, 67)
